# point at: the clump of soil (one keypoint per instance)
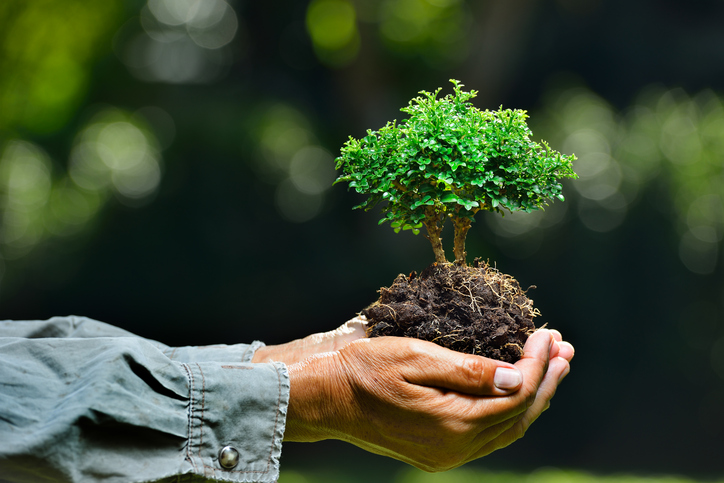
(471, 309)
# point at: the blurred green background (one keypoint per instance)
(166, 166)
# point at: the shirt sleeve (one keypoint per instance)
(121, 408)
(77, 327)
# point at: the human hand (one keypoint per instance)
(300, 349)
(420, 403)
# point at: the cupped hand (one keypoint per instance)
(420, 403)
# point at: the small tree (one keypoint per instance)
(452, 160)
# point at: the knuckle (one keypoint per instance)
(412, 350)
(519, 429)
(474, 370)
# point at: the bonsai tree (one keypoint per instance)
(449, 159)
(452, 160)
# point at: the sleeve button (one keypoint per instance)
(228, 457)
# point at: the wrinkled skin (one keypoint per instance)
(412, 400)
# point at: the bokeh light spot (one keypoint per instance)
(600, 176)
(698, 255)
(331, 23)
(705, 217)
(114, 152)
(179, 42)
(282, 132)
(71, 208)
(178, 62)
(667, 136)
(312, 170)
(520, 233)
(216, 35)
(295, 205)
(603, 216)
(25, 183)
(25, 175)
(46, 54)
(290, 158)
(434, 30)
(332, 27)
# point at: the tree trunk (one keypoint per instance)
(434, 230)
(461, 225)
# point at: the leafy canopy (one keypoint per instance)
(450, 159)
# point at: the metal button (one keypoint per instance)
(228, 457)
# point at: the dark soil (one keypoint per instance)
(476, 310)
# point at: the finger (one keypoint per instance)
(566, 351)
(565, 369)
(555, 349)
(474, 375)
(436, 366)
(557, 370)
(494, 437)
(505, 438)
(490, 433)
(533, 366)
(534, 363)
(539, 345)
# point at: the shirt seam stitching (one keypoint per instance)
(201, 424)
(190, 377)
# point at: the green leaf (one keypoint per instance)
(426, 188)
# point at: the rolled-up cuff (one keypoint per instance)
(240, 409)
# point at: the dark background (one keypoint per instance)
(243, 237)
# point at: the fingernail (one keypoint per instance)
(506, 378)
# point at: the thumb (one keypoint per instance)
(436, 366)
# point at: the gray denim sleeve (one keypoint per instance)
(73, 326)
(118, 409)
